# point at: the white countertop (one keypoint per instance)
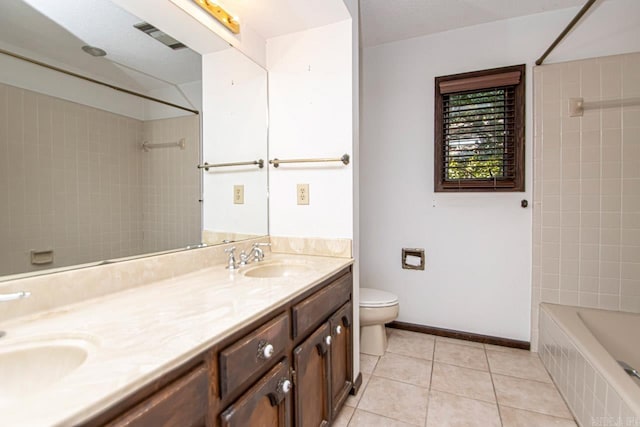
(136, 336)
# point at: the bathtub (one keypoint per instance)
(580, 348)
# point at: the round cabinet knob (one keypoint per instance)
(267, 351)
(285, 386)
(338, 330)
(327, 340)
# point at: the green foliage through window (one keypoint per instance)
(477, 126)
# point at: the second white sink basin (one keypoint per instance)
(267, 271)
(29, 368)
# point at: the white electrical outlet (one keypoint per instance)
(238, 194)
(303, 194)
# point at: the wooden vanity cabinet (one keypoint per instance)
(323, 362)
(267, 403)
(253, 353)
(183, 403)
(311, 364)
(291, 367)
(341, 356)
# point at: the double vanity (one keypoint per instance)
(165, 335)
(267, 344)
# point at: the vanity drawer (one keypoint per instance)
(255, 352)
(312, 311)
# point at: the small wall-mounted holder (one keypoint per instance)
(42, 257)
(413, 258)
(576, 107)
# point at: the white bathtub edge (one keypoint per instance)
(567, 320)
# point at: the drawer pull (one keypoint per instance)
(338, 330)
(282, 389)
(284, 386)
(327, 340)
(265, 350)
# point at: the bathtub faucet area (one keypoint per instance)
(628, 369)
(583, 349)
(12, 297)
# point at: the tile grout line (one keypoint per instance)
(531, 411)
(497, 373)
(433, 361)
(493, 385)
(382, 416)
(486, 352)
(351, 417)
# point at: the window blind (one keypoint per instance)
(479, 135)
(510, 78)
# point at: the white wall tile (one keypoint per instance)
(591, 174)
(71, 181)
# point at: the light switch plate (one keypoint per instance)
(303, 194)
(238, 194)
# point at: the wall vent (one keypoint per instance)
(158, 35)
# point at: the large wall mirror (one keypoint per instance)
(90, 173)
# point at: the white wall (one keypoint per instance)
(235, 125)
(478, 246)
(310, 115)
(354, 10)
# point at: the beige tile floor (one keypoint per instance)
(423, 380)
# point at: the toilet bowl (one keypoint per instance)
(376, 308)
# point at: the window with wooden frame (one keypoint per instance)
(479, 130)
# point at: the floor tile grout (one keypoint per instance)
(433, 356)
(383, 416)
(429, 389)
(539, 413)
(402, 382)
(495, 393)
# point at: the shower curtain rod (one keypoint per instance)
(89, 79)
(566, 30)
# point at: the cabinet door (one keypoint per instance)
(266, 404)
(341, 356)
(311, 365)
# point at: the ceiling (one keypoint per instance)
(278, 17)
(54, 32)
(384, 21)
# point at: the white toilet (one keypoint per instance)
(376, 308)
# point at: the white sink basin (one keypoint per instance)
(267, 271)
(29, 368)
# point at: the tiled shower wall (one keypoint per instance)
(72, 179)
(171, 185)
(586, 211)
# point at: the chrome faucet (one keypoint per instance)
(628, 369)
(256, 251)
(12, 297)
(231, 264)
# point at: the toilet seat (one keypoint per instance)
(376, 298)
